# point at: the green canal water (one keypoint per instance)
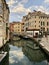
(21, 54)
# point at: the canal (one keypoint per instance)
(22, 52)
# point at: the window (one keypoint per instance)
(22, 30)
(6, 24)
(47, 23)
(47, 17)
(48, 29)
(35, 25)
(35, 21)
(18, 29)
(18, 24)
(41, 23)
(43, 29)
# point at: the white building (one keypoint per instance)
(32, 32)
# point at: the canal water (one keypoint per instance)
(22, 52)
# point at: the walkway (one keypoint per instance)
(45, 44)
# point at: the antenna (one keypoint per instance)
(34, 10)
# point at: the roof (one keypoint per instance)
(36, 13)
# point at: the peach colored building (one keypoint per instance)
(17, 27)
(11, 27)
(22, 27)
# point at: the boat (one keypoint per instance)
(16, 38)
(34, 47)
(2, 55)
(25, 37)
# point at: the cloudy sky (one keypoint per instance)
(19, 8)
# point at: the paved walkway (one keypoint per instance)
(45, 43)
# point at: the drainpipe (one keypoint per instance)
(3, 45)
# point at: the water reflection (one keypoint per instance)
(19, 43)
(5, 61)
(15, 55)
(34, 55)
(20, 54)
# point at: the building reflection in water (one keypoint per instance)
(34, 55)
(19, 43)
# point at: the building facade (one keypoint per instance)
(36, 20)
(17, 27)
(22, 27)
(32, 32)
(4, 22)
(11, 27)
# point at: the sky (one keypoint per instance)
(20, 8)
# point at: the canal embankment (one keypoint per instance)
(42, 42)
(20, 55)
